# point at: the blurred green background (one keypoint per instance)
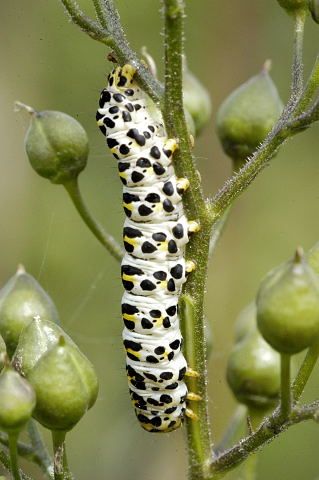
(48, 63)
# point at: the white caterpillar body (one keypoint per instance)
(155, 233)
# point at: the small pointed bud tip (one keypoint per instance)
(267, 66)
(19, 106)
(299, 255)
(20, 269)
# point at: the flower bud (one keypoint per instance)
(314, 9)
(196, 100)
(292, 6)
(66, 386)
(288, 306)
(56, 145)
(245, 322)
(247, 116)
(21, 299)
(17, 401)
(253, 372)
(35, 340)
(3, 353)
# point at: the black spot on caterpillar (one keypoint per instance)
(155, 233)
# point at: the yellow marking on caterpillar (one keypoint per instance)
(129, 240)
(129, 278)
(133, 353)
(126, 316)
(128, 206)
(123, 175)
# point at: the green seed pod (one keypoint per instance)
(35, 340)
(314, 9)
(57, 146)
(245, 322)
(21, 299)
(246, 117)
(288, 306)
(66, 387)
(190, 122)
(17, 401)
(291, 6)
(197, 100)
(253, 372)
(313, 258)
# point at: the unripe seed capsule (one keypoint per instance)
(65, 385)
(288, 306)
(253, 372)
(57, 146)
(35, 340)
(246, 117)
(21, 299)
(17, 401)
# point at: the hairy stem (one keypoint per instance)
(297, 67)
(192, 317)
(111, 245)
(285, 399)
(13, 438)
(61, 468)
(268, 431)
(305, 371)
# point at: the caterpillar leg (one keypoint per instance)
(191, 373)
(190, 266)
(193, 227)
(190, 414)
(182, 185)
(170, 145)
(193, 397)
(192, 140)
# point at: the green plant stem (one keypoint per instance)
(111, 245)
(192, 315)
(305, 371)
(5, 461)
(41, 454)
(61, 468)
(13, 438)
(285, 385)
(297, 67)
(309, 91)
(100, 12)
(268, 431)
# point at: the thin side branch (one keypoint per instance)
(267, 432)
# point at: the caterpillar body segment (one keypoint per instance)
(153, 269)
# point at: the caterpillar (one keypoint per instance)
(155, 233)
